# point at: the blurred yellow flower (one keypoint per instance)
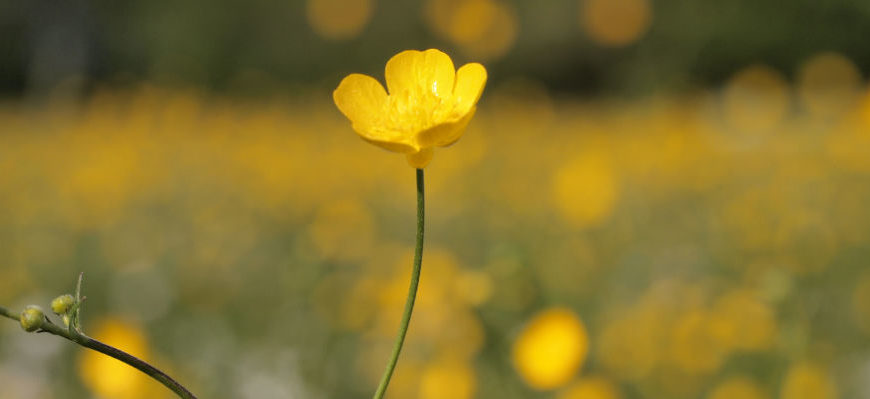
(694, 348)
(551, 349)
(756, 99)
(339, 19)
(828, 84)
(631, 346)
(109, 378)
(429, 103)
(808, 381)
(591, 388)
(586, 189)
(739, 320)
(448, 379)
(737, 387)
(615, 23)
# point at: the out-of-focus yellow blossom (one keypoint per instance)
(693, 346)
(429, 103)
(591, 388)
(339, 19)
(109, 378)
(484, 29)
(343, 230)
(737, 388)
(615, 23)
(630, 346)
(741, 321)
(474, 287)
(808, 381)
(200, 194)
(550, 349)
(406, 380)
(756, 99)
(448, 379)
(586, 189)
(828, 85)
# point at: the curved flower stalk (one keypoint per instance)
(68, 307)
(429, 105)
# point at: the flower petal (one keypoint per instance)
(470, 80)
(421, 72)
(420, 159)
(361, 99)
(445, 134)
(394, 145)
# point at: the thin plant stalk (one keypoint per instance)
(80, 338)
(412, 291)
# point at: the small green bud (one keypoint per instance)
(62, 304)
(32, 318)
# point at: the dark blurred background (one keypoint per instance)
(266, 46)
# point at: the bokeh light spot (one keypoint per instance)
(550, 349)
(448, 379)
(339, 19)
(737, 388)
(755, 99)
(483, 29)
(742, 321)
(343, 229)
(828, 84)
(694, 347)
(808, 381)
(615, 23)
(111, 378)
(586, 190)
(591, 388)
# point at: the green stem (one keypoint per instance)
(90, 343)
(412, 292)
(8, 314)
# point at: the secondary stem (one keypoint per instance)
(7, 313)
(412, 291)
(108, 350)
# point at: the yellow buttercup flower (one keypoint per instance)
(429, 103)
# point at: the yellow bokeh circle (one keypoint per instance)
(694, 349)
(742, 321)
(737, 387)
(828, 84)
(615, 23)
(808, 381)
(110, 378)
(470, 20)
(550, 349)
(343, 229)
(339, 19)
(755, 98)
(630, 346)
(448, 379)
(483, 29)
(591, 388)
(586, 189)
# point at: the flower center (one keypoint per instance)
(411, 111)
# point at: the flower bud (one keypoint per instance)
(62, 304)
(32, 318)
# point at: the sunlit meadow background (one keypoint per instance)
(656, 199)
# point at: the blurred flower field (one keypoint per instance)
(706, 245)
